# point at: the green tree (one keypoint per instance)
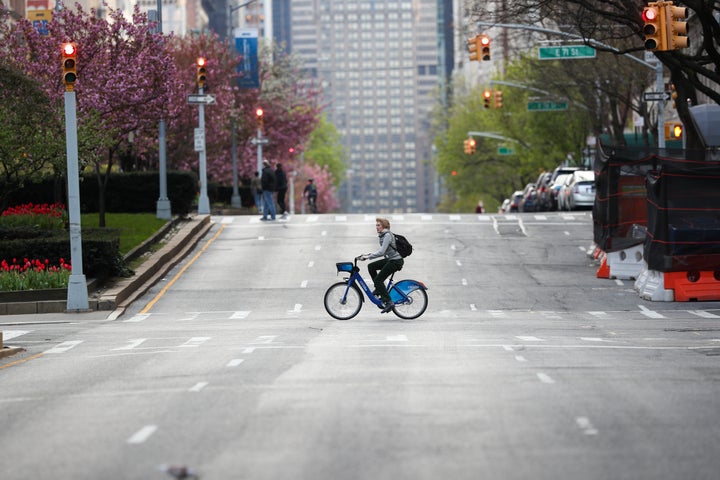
(325, 150)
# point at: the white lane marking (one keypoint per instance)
(396, 338)
(195, 342)
(198, 386)
(582, 249)
(142, 435)
(508, 348)
(586, 426)
(261, 237)
(453, 247)
(239, 315)
(137, 318)
(522, 227)
(528, 338)
(398, 217)
(455, 218)
(264, 339)
(650, 313)
(227, 220)
(64, 346)
(540, 217)
(8, 334)
(318, 247)
(495, 226)
(464, 281)
(619, 282)
(566, 233)
(598, 314)
(132, 344)
(592, 339)
(341, 218)
(249, 350)
(312, 218)
(235, 362)
(458, 263)
(311, 264)
(511, 217)
(483, 218)
(545, 378)
(473, 307)
(496, 313)
(520, 358)
(323, 233)
(425, 218)
(303, 284)
(297, 309)
(703, 314)
(567, 217)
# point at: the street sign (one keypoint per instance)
(566, 52)
(204, 99)
(656, 96)
(199, 139)
(546, 106)
(505, 151)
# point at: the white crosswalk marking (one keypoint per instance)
(8, 334)
(64, 346)
(195, 342)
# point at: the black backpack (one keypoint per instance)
(402, 245)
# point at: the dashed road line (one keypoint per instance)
(64, 346)
(198, 386)
(235, 362)
(142, 435)
(585, 425)
(545, 378)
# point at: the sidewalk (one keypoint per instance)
(123, 291)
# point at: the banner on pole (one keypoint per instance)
(246, 44)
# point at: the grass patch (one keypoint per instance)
(134, 228)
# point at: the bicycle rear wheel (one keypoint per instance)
(336, 307)
(415, 305)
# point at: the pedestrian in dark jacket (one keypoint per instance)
(267, 181)
(281, 187)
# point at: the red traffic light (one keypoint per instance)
(649, 14)
(68, 49)
(69, 66)
(259, 112)
(201, 72)
(201, 62)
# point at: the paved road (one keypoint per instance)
(524, 366)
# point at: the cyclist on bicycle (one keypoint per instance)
(311, 193)
(390, 262)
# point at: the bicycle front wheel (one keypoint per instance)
(415, 305)
(339, 308)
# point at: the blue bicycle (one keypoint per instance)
(343, 300)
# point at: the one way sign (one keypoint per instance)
(656, 96)
(197, 99)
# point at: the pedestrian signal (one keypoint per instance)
(498, 99)
(69, 66)
(473, 45)
(469, 146)
(673, 131)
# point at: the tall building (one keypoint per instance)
(378, 62)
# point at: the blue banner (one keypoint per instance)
(246, 44)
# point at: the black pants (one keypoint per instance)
(281, 200)
(380, 270)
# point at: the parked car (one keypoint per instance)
(528, 203)
(515, 201)
(543, 194)
(555, 190)
(580, 190)
(505, 207)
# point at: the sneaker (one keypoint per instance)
(387, 306)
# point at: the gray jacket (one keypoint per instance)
(387, 247)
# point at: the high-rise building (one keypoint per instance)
(378, 62)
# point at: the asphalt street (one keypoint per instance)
(525, 365)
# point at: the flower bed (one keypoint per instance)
(33, 275)
(45, 216)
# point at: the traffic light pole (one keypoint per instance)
(657, 66)
(77, 293)
(162, 206)
(203, 201)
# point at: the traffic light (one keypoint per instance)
(498, 99)
(673, 95)
(259, 115)
(474, 48)
(469, 146)
(485, 46)
(69, 66)
(201, 72)
(677, 20)
(487, 94)
(673, 131)
(655, 28)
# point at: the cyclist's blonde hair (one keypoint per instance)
(384, 222)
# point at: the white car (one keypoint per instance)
(579, 190)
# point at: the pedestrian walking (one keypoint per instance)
(256, 191)
(281, 187)
(390, 262)
(267, 182)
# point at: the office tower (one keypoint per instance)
(378, 64)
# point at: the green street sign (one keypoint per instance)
(566, 52)
(505, 151)
(546, 106)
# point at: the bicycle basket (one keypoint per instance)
(344, 266)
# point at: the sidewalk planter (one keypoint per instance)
(33, 295)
